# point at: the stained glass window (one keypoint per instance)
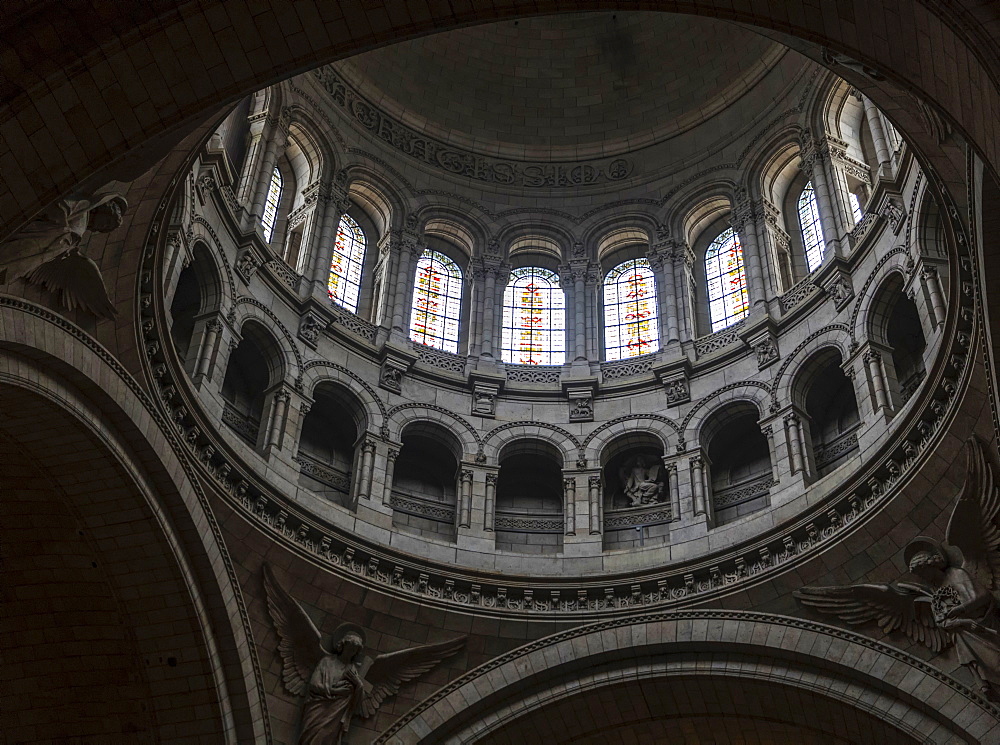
(437, 302)
(856, 208)
(344, 284)
(271, 205)
(631, 321)
(726, 279)
(534, 318)
(812, 231)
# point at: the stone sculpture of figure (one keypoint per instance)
(343, 682)
(953, 601)
(47, 250)
(641, 485)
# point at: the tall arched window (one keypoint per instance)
(344, 285)
(812, 231)
(271, 205)
(437, 302)
(726, 279)
(534, 318)
(631, 322)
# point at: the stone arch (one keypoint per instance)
(462, 228)
(199, 229)
(318, 371)
(888, 277)
(499, 437)
(401, 417)
(847, 672)
(279, 362)
(71, 385)
(377, 197)
(835, 335)
(663, 428)
(751, 391)
(249, 309)
(546, 236)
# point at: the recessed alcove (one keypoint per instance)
(739, 462)
(425, 482)
(252, 370)
(529, 499)
(832, 410)
(635, 492)
(327, 450)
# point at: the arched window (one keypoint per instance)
(726, 279)
(534, 318)
(437, 302)
(344, 285)
(271, 205)
(812, 231)
(631, 323)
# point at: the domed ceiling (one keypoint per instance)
(569, 86)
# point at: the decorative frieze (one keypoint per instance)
(628, 368)
(533, 373)
(310, 327)
(676, 388)
(581, 404)
(484, 399)
(247, 265)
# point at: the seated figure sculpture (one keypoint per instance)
(641, 484)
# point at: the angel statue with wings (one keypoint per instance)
(952, 599)
(343, 682)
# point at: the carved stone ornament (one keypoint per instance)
(391, 376)
(484, 400)
(310, 327)
(766, 349)
(581, 405)
(47, 252)
(247, 265)
(948, 597)
(894, 214)
(677, 390)
(840, 290)
(643, 481)
(339, 682)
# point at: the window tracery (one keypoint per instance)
(344, 283)
(726, 280)
(534, 318)
(437, 302)
(270, 215)
(812, 230)
(631, 321)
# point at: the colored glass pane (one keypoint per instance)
(437, 302)
(344, 284)
(631, 321)
(812, 231)
(271, 205)
(534, 318)
(726, 280)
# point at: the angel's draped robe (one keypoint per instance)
(977, 646)
(330, 705)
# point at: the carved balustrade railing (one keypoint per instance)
(242, 424)
(909, 386)
(428, 509)
(283, 272)
(533, 373)
(829, 453)
(628, 368)
(440, 359)
(798, 294)
(353, 323)
(526, 522)
(324, 472)
(719, 340)
(742, 492)
(643, 516)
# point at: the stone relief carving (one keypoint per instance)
(951, 598)
(391, 377)
(840, 289)
(341, 682)
(642, 482)
(484, 402)
(247, 265)
(676, 389)
(310, 327)
(47, 251)
(767, 352)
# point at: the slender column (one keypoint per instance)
(465, 508)
(322, 248)
(580, 307)
(746, 227)
(489, 507)
(594, 502)
(276, 141)
(769, 434)
(278, 413)
(489, 301)
(793, 428)
(251, 164)
(813, 168)
(873, 359)
(698, 484)
(403, 282)
(212, 330)
(685, 327)
(367, 458)
(882, 150)
(569, 498)
(929, 276)
(673, 487)
(390, 470)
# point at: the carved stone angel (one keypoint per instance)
(953, 600)
(343, 682)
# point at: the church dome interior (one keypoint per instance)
(606, 376)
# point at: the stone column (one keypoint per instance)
(661, 260)
(682, 292)
(569, 502)
(594, 504)
(882, 150)
(321, 251)
(409, 253)
(390, 468)
(932, 285)
(579, 273)
(674, 491)
(794, 436)
(465, 502)
(876, 377)
(207, 352)
(745, 224)
(275, 143)
(276, 429)
(259, 132)
(813, 168)
(489, 508)
(489, 303)
(367, 461)
(698, 484)
(768, 432)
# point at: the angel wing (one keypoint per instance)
(389, 671)
(974, 527)
(905, 608)
(299, 640)
(79, 282)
